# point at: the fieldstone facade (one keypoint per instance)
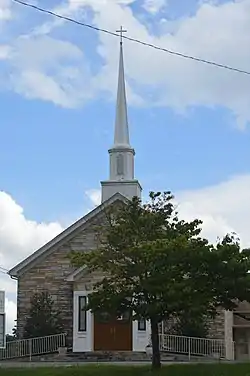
(216, 326)
(50, 273)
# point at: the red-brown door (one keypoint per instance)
(112, 334)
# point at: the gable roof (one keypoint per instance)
(60, 239)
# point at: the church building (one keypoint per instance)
(48, 268)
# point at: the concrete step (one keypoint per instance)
(114, 356)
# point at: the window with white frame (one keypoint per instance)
(82, 314)
(142, 325)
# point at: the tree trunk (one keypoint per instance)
(156, 357)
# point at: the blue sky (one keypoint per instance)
(189, 123)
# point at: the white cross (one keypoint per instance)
(121, 31)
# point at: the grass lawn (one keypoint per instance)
(106, 370)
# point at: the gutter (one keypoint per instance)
(13, 276)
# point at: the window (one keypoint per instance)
(82, 314)
(142, 324)
(120, 164)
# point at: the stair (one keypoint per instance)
(110, 356)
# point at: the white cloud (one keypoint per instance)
(94, 195)
(154, 6)
(50, 69)
(223, 208)
(18, 238)
(11, 312)
(174, 81)
(28, 235)
(178, 82)
(49, 74)
(5, 10)
(9, 286)
(4, 52)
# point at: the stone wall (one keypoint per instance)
(87, 282)
(50, 272)
(217, 326)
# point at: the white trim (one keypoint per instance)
(76, 274)
(2, 301)
(140, 338)
(118, 182)
(3, 331)
(63, 236)
(82, 341)
(228, 329)
(3, 321)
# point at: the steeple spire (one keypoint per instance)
(121, 122)
(121, 174)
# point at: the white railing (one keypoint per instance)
(192, 346)
(33, 346)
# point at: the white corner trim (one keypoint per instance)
(75, 275)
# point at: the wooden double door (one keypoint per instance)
(112, 333)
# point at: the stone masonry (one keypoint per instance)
(50, 272)
(216, 326)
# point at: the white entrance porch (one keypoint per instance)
(91, 333)
(87, 332)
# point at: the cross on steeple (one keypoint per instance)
(121, 154)
(121, 31)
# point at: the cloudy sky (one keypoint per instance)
(189, 121)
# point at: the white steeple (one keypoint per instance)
(121, 176)
(121, 121)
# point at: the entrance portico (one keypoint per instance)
(102, 332)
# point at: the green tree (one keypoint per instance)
(159, 266)
(14, 330)
(13, 336)
(191, 326)
(43, 317)
(10, 338)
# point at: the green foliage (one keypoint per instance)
(10, 338)
(191, 326)
(160, 267)
(43, 318)
(14, 330)
(13, 336)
